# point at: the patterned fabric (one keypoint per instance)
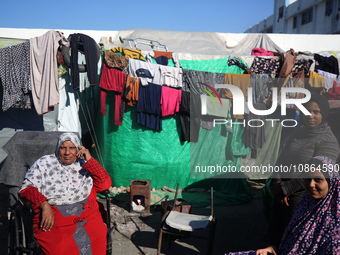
(315, 226)
(113, 60)
(34, 196)
(61, 184)
(129, 53)
(15, 76)
(271, 66)
(131, 90)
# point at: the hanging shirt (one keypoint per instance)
(317, 82)
(171, 76)
(329, 79)
(170, 100)
(112, 80)
(146, 72)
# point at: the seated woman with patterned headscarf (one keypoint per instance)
(62, 188)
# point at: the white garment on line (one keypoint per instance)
(136, 67)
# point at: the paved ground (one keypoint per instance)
(241, 227)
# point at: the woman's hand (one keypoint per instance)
(266, 251)
(84, 153)
(47, 216)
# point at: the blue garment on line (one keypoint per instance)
(149, 106)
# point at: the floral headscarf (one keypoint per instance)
(61, 184)
(315, 225)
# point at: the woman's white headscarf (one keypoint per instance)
(61, 184)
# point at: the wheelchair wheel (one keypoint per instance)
(20, 239)
(15, 234)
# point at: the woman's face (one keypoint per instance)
(67, 152)
(316, 184)
(315, 118)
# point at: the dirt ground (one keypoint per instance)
(239, 228)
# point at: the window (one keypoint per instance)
(280, 13)
(329, 8)
(307, 17)
(294, 22)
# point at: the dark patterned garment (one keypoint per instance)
(315, 226)
(15, 76)
(271, 66)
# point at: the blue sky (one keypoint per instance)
(226, 16)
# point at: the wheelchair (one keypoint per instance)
(21, 236)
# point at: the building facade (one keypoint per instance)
(301, 17)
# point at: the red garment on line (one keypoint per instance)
(112, 80)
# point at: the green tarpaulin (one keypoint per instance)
(131, 151)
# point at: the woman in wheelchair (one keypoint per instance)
(62, 188)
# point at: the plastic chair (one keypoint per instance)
(21, 236)
(181, 224)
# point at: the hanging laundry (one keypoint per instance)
(316, 83)
(261, 85)
(241, 81)
(190, 115)
(112, 80)
(90, 48)
(194, 81)
(171, 76)
(44, 70)
(170, 100)
(288, 64)
(215, 110)
(302, 64)
(129, 53)
(334, 92)
(130, 94)
(329, 79)
(329, 64)
(149, 106)
(256, 135)
(261, 52)
(131, 90)
(271, 66)
(114, 60)
(238, 62)
(160, 55)
(146, 72)
(307, 56)
(15, 76)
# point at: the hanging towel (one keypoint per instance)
(44, 70)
